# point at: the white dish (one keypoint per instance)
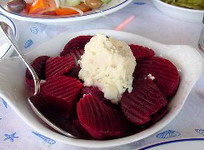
(181, 13)
(15, 91)
(109, 8)
(6, 49)
(187, 144)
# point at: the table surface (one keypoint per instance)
(148, 22)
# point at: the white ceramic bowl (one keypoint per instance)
(190, 15)
(109, 8)
(14, 90)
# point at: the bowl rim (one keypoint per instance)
(92, 14)
(177, 7)
(124, 140)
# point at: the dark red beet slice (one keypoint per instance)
(144, 100)
(39, 102)
(76, 54)
(141, 52)
(62, 92)
(98, 119)
(99, 94)
(165, 73)
(77, 43)
(39, 66)
(80, 130)
(92, 90)
(57, 66)
(74, 72)
(70, 125)
(158, 115)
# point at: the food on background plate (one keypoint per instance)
(192, 4)
(102, 88)
(54, 7)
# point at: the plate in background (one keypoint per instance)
(181, 13)
(185, 144)
(106, 9)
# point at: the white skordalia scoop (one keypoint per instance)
(108, 64)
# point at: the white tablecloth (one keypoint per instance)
(148, 22)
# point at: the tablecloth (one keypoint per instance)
(150, 23)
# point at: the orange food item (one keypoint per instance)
(70, 11)
(50, 13)
(27, 8)
(42, 6)
(65, 11)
